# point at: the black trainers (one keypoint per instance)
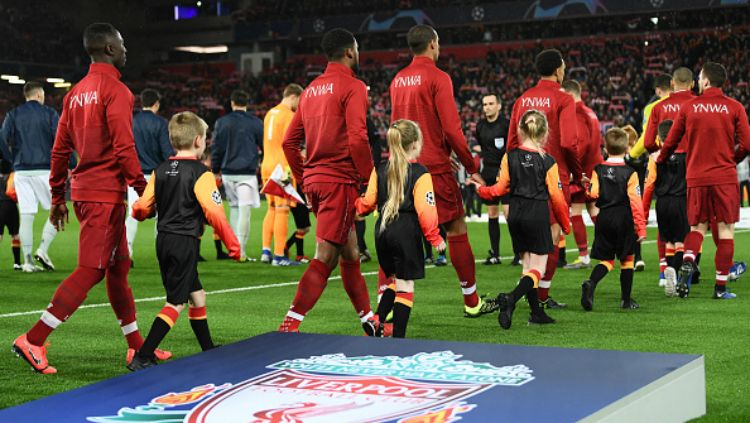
(365, 256)
(492, 258)
(551, 304)
(587, 295)
(629, 304)
(683, 279)
(696, 279)
(540, 319)
(222, 255)
(516, 260)
(371, 326)
(507, 306)
(139, 363)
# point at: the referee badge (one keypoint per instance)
(216, 197)
(429, 198)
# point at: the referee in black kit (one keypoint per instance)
(492, 135)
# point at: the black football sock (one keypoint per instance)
(494, 228)
(217, 245)
(159, 330)
(427, 248)
(202, 333)
(385, 305)
(533, 297)
(638, 252)
(598, 273)
(401, 312)
(677, 260)
(525, 285)
(626, 283)
(16, 253)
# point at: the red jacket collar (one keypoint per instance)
(548, 84)
(423, 60)
(334, 67)
(712, 92)
(105, 68)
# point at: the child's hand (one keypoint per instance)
(475, 183)
(441, 247)
(641, 239)
(585, 179)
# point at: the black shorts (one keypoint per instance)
(178, 263)
(614, 234)
(400, 249)
(529, 226)
(9, 217)
(671, 215)
(301, 213)
(489, 174)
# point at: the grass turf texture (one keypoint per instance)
(90, 346)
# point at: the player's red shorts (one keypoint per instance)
(102, 237)
(448, 199)
(577, 195)
(719, 201)
(333, 205)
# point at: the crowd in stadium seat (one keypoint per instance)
(35, 32)
(617, 76)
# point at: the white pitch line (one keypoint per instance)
(256, 287)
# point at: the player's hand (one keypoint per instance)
(641, 239)
(441, 247)
(585, 179)
(58, 216)
(477, 178)
(455, 165)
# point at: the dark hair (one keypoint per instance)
(571, 86)
(30, 87)
(616, 141)
(419, 37)
(335, 42)
(149, 97)
(240, 98)
(548, 61)
(96, 36)
(293, 89)
(716, 73)
(664, 128)
(682, 76)
(663, 81)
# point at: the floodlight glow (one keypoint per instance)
(204, 49)
(8, 77)
(55, 80)
(17, 81)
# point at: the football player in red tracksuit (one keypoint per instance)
(96, 122)
(560, 110)
(589, 149)
(331, 119)
(707, 127)
(424, 94)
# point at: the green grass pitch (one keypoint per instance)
(250, 299)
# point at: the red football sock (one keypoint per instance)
(462, 258)
(693, 242)
(724, 260)
(121, 299)
(662, 248)
(549, 273)
(579, 232)
(355, 287)
(67, 298)
(383, 282)
(310, 289)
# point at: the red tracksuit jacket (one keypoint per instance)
(423, 93)
(331, 119)
(589, 138)
(707, 127)
(560, 109)
(667, 109)
(96, 122)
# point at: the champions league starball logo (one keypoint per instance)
(426, 387)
